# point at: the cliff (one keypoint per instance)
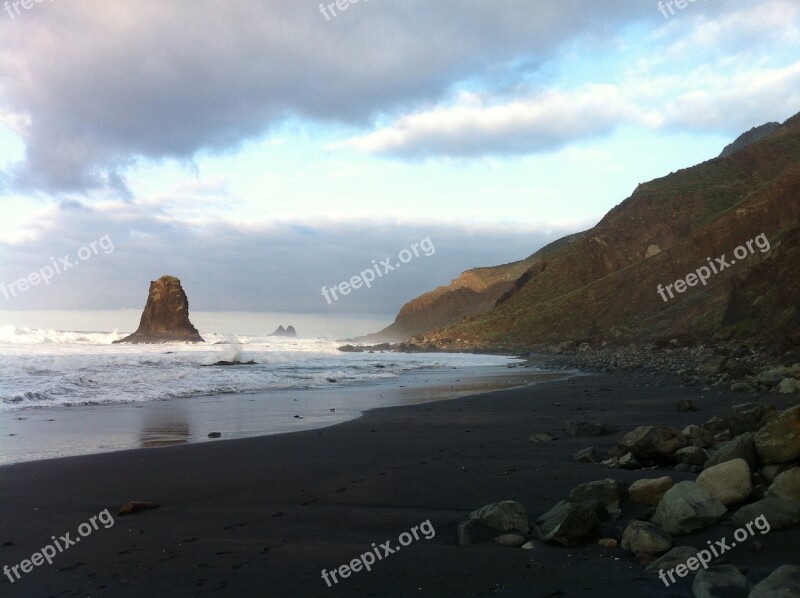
(473, 292)
(602, 285)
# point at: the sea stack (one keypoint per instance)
(166, 316)
(289, 331)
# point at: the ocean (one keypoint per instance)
(51, 368)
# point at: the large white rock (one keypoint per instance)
(730, 482)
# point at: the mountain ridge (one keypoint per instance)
(664, 230)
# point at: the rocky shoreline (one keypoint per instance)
(736, 367)
(748, 466)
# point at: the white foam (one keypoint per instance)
(42, 368)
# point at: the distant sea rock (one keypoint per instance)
(288, 332)
(229, 363)
(166, 316)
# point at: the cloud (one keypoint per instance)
(472, 127)
(702, 100)
(277, 266)
(94, 86)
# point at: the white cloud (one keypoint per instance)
(472, 126)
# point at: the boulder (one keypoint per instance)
(714, 366)
(784, 582)
(166, 316)
(737, 368)
(789, 386)
(568, 524)
(747, 384)
(502, 516)
(686, 406)
(729, 482)
(697, 436)
(587, 455)
(542, 437)
(584, 429)
(610, 494)
(718, 582)
(749, 417)
(773, 376)
(786, 485)
(687, 507)
(716, 424)
(692, 455)
(721, 437)
(628, 461)
(779, 440)
(770, 472)
(468, 532)
(649, 491)
(677, 556)
(641, 536)
(607, 543)
(512, 540)
(778, 512)
(652, 442)
(741, 447)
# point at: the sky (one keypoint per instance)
(261, 150)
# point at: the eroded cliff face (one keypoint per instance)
(166, 315)
(474, 292)
(602, 285)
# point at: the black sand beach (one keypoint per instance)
(263, 516)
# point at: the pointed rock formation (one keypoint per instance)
(166, 315)
(289, 332)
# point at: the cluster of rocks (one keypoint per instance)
(769, 443)
(739, 368)
(749, 473)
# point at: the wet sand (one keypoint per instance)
(53, 432)
(263, 516)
